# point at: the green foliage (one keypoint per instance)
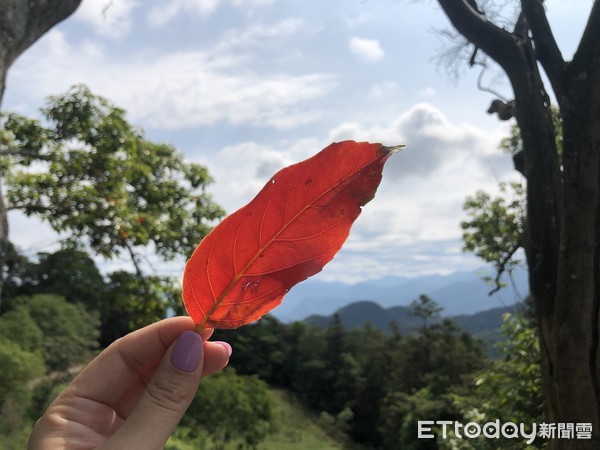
(70, 332)
(17, 271)
(401, 413)
(19, 327)
(69, 273)
(231, 407)
(102, 181)
(124, 302)
(16, 439)
(513, 143)
(347, 375)
(513, 386)
(293, 427)
(425, 308)
(18, 368)
(296, 428)
(510, 390)
(438, 358)
(132, 302)
(337, 425)
(495, 228)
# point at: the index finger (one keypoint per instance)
(108, 377)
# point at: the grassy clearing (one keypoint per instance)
(293, 428)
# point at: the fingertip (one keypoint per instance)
(226, 346)
(216, 356)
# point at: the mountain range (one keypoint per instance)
(460, 293)
(359, 313)
(484, 325)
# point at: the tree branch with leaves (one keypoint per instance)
(99, 180)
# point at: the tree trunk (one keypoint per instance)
(562, 240)
(22, 22)
(575, 322)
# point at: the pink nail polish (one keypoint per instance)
(226, 346)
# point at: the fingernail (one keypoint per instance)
(187, 352)
(226, 346)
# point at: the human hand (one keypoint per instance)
(134, 393)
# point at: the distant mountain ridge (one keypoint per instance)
(460, 293)
(363, 312)
(484, 325)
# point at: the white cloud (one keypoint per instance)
(383, 90)
(356, 21)
(256, 35)
(177, 90)
(427, 92)
(167, 10)
(110, 18)
(430, 137)
(368, 50)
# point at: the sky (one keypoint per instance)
(246, 87)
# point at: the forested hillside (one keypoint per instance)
(351, 386)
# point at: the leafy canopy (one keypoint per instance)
(98, 178)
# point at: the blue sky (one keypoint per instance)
(248, 86)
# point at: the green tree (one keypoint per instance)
(69, 273)
(401, 413)
(427, 371)
(232, 408)
(102, 181)
(131, 302)
(17, 271)
(19, 327)
(561, 239)
(425, 308)
(513, 387)
(18, 367)
(438, 358)
(510, 389)
(379, 357)
(495, 229)
(72, 274)
(70, 332)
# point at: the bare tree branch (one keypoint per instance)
(134, 259)
(485, 88)
(502, 268)
(546, 48)
(494, 41)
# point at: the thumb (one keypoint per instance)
(167, 397)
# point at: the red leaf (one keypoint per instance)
(288, 232)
